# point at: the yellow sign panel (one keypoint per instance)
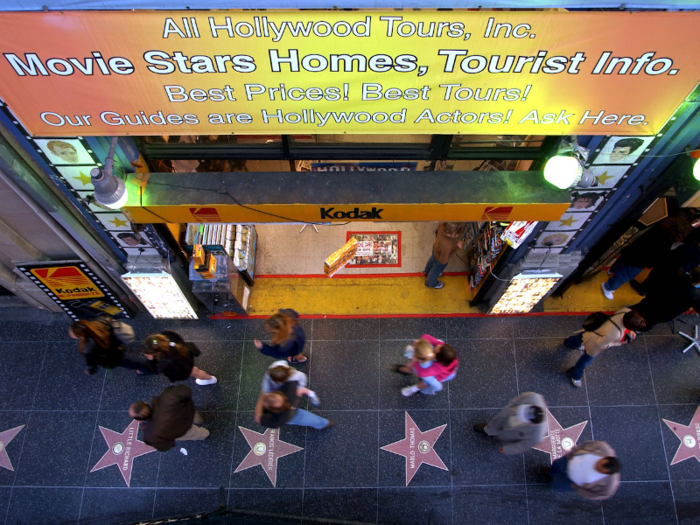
(347, 212)
(67, 282)
(252, 72)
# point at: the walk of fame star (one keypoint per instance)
(689, 436)
(84, 179)
(569, 221)
(603, 178)
(559, 440)
(118, 222)
(5, 438)
(417, 448)
(122, 450)
(265, 450)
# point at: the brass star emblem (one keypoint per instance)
(567, 222)
(84, 179)
(602, 179)
(118, 223)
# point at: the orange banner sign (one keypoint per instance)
(248, 72)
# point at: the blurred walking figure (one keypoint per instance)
(170, 417)
(663, 304)
(449, 238)
(279, 373)
(591, 469)
(98, 343)
(600, 332)
(433, 361)
(288, 337)
(678, 263)
(521, 425)
(171, 356)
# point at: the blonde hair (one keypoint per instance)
(424, 350)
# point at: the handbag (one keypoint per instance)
(123, 332)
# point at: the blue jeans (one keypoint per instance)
(433, 269)
(432, 385)
(583, 362)
(303, 418)
(560, 478)
(574, 341)
(623, 273)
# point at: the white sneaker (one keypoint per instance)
(607, 293)
(576, 382)
(313, 398)
(204, 382)
(409, 391)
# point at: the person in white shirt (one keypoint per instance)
(591, 469)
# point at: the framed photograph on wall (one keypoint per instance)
(65, 152)
(131, 239)
(622, 150)
(555, 239)
(584, 200)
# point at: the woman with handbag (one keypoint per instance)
(101, 347)
(288, 337)
(171, 356)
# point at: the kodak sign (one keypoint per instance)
(67, 282)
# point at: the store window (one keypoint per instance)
(362, 139)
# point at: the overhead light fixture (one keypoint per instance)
(565, 169)
(696, 169)
(110, 191)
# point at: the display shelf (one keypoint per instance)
(483, 254)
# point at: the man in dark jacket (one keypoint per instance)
(664, 304)
(171, 416)
(679, 262)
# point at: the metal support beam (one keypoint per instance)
(15, 238)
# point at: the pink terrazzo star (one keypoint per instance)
(689, 436)
(417, 448)
(122, 450)
(265, 450)
(559, 440)
(5, 438)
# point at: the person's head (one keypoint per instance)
(445, 354)
(423, 351)
(280, 325)
(608, 465)
(530, 414)
(84, 330)
(454, 229)
(140, 411)
(158, 346)
(132, 239)
(276, 402)
(280, 373)
(634, 321)
(584, 200)
(63, 150)
(695, 276)
(625, 147)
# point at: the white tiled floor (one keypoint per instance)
(283, 250)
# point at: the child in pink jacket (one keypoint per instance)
(434, 362)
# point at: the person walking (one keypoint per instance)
(520, 425)
(650, 249)
(448, 239)
(281, 407)
(591, 469)
(619, 329)
(170, 417)
(279, 373)
(171, 356)
(100, 347)
(288, 337)
(668, 302)
(433, 361)
(678, 263)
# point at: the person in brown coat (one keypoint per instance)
(449, 238)
(171, 416)
(591, 469)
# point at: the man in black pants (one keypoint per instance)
(666, 303)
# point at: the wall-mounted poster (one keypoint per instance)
(376, 249)
(607, 177)
(77, 177)
(554, 239)
(73, 286)
(114, 221)
(622, 150)
(569, 222)
(586, 200)
(65, 151)
(131, 239)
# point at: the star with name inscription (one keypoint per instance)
(559, 441)
(122, 450)
(5, 437)
(417, 447)
(689, 436)
(265, 450)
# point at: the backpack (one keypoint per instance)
(595, 321)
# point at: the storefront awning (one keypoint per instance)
(322, 197)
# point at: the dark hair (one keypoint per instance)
(611, 465)
(141, 410)
(445, 355)
(280, 324)
(593, 197)
(536, 415)
(633, 320)
(285, 404)
(695, 275)
(633, 144)
(134, 236)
